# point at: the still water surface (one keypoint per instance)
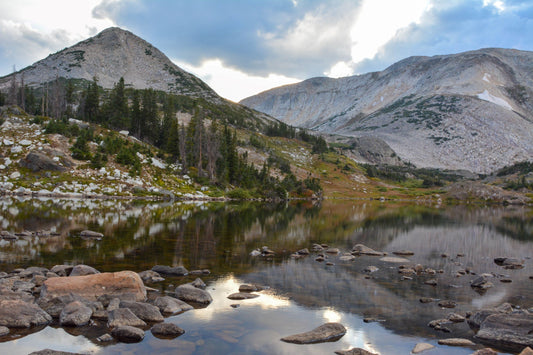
(303, 293)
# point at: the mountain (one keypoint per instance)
(112, 54)
(468, 111)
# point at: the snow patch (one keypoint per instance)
(494, 99)
(486, 77)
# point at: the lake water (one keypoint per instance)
(303, 293)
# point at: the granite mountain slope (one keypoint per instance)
(112, 54)
(471, 111)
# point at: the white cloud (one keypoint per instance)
(231, 83)
(32, 29)
(499, 5)
(377, 23)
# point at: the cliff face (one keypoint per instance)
(471, 111)
(112, 54)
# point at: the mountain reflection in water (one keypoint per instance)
(303, 293)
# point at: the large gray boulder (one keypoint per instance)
(189, 293)
(82, 270)
(166, 330)
(38, 161)
(324, 333)
(172, 271)
(75, 314)
(507, 331)
(124, 316)
(171, 305)
(20, 314)
(145, 311)
(128, 334)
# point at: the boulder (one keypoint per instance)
(62, 270)
(354, 351)
(248, 288)
(360, 249)
(190, 293)
(171, 271)
(4, 331)
(124, 316)
(242, 296)
(171, 305)
(510, 331)
(456, 342)
(91, 234)
(21, 314)
(198, 283)
(52, 352)
(371, 269)
(38, 161)
(447, 304)
(166, 330)
(150, 276)
(53, 306)
(145, 311)
(324, 333)
(486, 351)
(125, 285)
(127, 334)
(82, 270)
(421, 347)
(509, 263)
(481, 283)
(526, 351)
(403, 252)
(75, 314)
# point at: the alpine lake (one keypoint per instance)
(381, 310)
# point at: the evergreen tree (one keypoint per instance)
(169, 118)
(91, 109)
(118, 106)
(135, 114)
(173, 141)
(149, 120)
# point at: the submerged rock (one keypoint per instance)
(360, 249)
(324, 333)
(150, 276)
(509, 263)
(242, 296)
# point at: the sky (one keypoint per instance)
(242, 47)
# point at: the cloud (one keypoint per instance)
(30, 30)
(232, 83)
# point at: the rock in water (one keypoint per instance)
(190, 293)
(145, 311)
(171, 305)
(75, 314)
(456, 342)
(324, 333)
(507, 331)
(422, 347)
(128, 334)
(124, 317)
(124, 285)
(166, 330)
(20, 314)
(354, 351)
(242, 296)
(172, 271)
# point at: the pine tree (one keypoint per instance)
(173, 141)
(135, 114)
(91, 110)
(118, 106)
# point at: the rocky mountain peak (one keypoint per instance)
(111, 54)
(467, 111)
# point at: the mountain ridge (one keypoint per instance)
(109, 55)
(415, 105)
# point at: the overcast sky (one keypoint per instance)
(242, 47)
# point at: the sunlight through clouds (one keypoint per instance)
(375, 25)
(231, 83)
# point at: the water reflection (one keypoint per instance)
(304, 293)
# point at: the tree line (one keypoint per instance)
(205, 148)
